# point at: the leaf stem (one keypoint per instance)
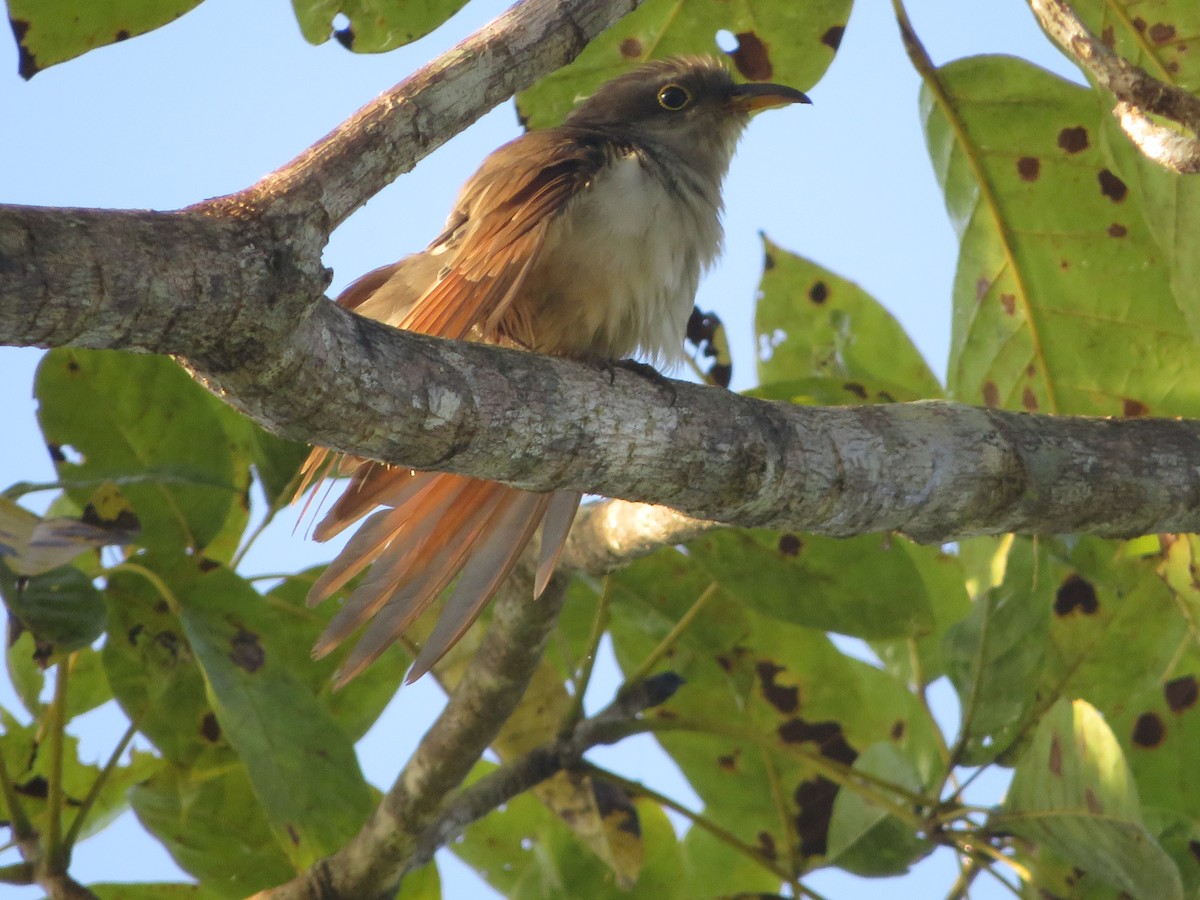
(653, 657)
(56, 854)
(97, 785)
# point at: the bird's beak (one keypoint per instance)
(762, 95)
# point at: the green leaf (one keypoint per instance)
(866, 586)
(295, 628)
(828, 391)
(943, 579)
(1053, 251)
(863, 837)
(301, 764)
(52, 31)
(524, 851)
(150, 667)
(762, 698)
(1073, 792)
(61, 607)
(208, 819)
(27, 758)
(141, 422)
(792, 43)
(1160, 37)
(810, 322)
(375, 25)
(995, 656)
(714, 869)
(149, 891)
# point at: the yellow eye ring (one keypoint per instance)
(674, 97)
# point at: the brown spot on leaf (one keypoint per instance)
(1075, 594)
(612, 801)
(814, 799)
(856, 389)
(345, 37)
(37, 786)
(631, 48)
(1133, 409)
(790, 545)
(991, 394)
(121, 35)
(210, 728)
(1064, 264)
(785, 698)
(898, 729)
(1031, 370)
(1029, 167)
(1029, 399)
(207, 565)
(724, 662)
(1162, 32)
(1095, 807)
(1111, 186)
(1073, 140)
(981, 288)
(293, 834)
(751, 57)
(766, 844)
(1055, 760)
(245, 651)
(1148, 730)
(1194, 849)
(1009, 302)
(1117, 230)
(827, 735)
(1181, 693)
(1108, 37)
(1139, 23)
(728, 761)
(818, 293)
(832, 38)
(1173, 67)
(56, 454)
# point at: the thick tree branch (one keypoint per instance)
(1139, 93)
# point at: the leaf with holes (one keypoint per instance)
(372, 26)
(791, 43)
(1073, 792)
(810, 322)
(1061, 301)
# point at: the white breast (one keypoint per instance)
(621, 265)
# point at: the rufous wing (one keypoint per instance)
(424, 529)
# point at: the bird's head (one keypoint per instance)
(690, 105)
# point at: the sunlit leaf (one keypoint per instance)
(372, 26)
(1058, 269)
(813, 323)
(1074, 792)
(52, 31)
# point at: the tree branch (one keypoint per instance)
(1139, 92)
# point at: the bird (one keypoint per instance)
(586, 241)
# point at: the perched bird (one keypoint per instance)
(584, 241)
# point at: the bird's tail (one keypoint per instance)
(429, 528)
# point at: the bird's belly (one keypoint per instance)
(619, 270)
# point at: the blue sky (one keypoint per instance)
(231, 91)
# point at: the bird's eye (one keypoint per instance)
(674, 97)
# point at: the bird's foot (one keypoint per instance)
(645, 370)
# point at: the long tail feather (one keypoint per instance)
(509, 532)
(555, 528)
